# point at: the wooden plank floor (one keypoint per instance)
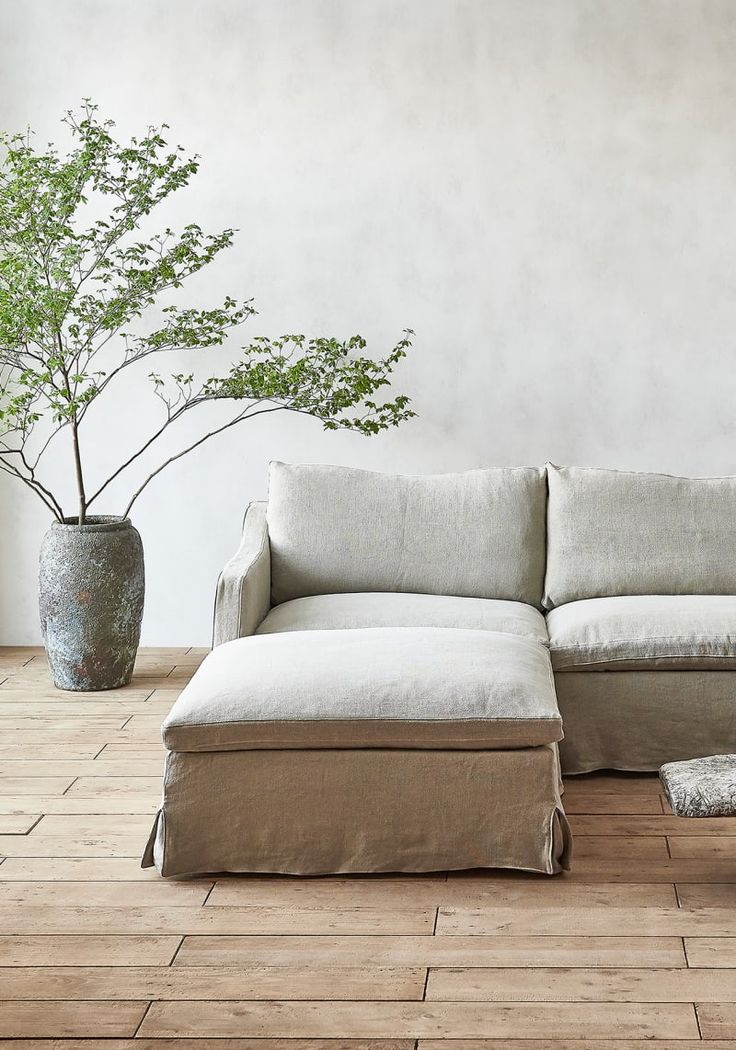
(637, 946)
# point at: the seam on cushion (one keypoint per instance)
(344, 721)
(643, 660)
(676, 638)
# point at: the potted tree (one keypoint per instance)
(75, 283)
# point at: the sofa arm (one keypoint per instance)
(244, 587)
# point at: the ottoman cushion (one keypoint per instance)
(379, 687)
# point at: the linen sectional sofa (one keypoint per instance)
(396, 659)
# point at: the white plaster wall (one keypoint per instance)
(544, 189)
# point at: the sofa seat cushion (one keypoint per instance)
(412, 688)
(330, 612)
(645, 632)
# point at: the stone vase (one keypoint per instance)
(91, 588)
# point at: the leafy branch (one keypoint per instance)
(72, 296)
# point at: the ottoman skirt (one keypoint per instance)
(312, 812)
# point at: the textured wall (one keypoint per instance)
(543, 189)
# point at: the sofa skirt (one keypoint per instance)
(638, 720)
(315, 812)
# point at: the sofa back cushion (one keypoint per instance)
(611, 533)
(479, 534)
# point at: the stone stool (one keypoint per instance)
(701, 787)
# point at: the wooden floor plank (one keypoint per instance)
(18, 824)
(591, 922)
(68, 722)
(633, 825)
(24, 753)
(122, 787)
(132, 751)
(582, 985)
(91, 825)
(438, 892)
(244, 1044)
(148, 894)
(48, 919)
(693, 847)
(613, 783)
(212, 983)
(14, 690)
(618, 803)
(59, 1019)
(74, 869)
(12, 705)
(627, 869)
(711, 951)
(421, 1020)
(716, 895)
(41, 785)
(649, 847)
(85, 950)
(61, 768)
(56, 736)
(70, 804)
(291, 950)
(126, 844)
(497, 1044)
(717, 1020)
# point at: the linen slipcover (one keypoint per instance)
(638, 720)
(615, 533)
(243, 594)
(314, 812)
(479, 534)
(329, 612)
(646, 632)
(379, 687)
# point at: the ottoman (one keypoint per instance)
(367, 750)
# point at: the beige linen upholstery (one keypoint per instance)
(477, 535)
(646, 632)
(380, 687)
(244, 587)
(638, 720)
(617, 533)
(330, 612)
(312, 812)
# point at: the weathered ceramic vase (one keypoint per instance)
(91, 588)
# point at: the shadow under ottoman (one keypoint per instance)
(401, 749)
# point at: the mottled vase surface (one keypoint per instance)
(91, 590)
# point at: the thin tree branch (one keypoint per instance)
(47, 442)
(31, 479)
(154, 437)
(134, 457)
(53, 507)
(135, 357)
(172, 459)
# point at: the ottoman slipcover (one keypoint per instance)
(409, 749)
